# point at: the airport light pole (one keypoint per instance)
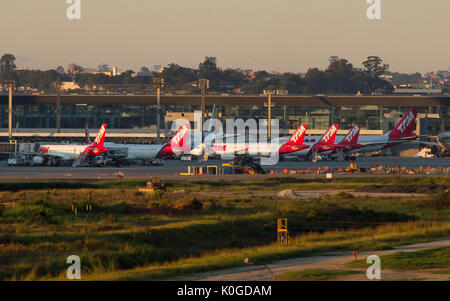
(203, 84)
(269, 112)
(58, 85)
(11, 85)
(158, 84)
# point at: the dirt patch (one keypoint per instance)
(287, 193)
(430, 189)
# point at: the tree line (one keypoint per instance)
(340, 77)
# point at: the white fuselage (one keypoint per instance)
(63, 151)
(231, 149)
(139, 151)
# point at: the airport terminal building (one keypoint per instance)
(135, 117)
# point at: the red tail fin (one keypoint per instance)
(405, 127)
(299, 136)
(352, 136)
(180, 138)
(330, 136)
(295, 143)
(177, 144)
(100, 139)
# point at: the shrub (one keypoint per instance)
(343, 196)
(440, 201)
(188, 203)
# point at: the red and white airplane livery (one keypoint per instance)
(349, 142)
(400, 134)
(354, 143)
(176, 146)
(228, 151)
(324, 144)
(65, 152)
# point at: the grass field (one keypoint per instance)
(315, 275)
(427, 259)
(121, 234)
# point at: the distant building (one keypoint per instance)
(407, 91)
(69, 86)
(386, 77)
(107, 73)
(90, 70)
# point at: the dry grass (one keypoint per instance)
(132, 236)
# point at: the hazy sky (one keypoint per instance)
(282, 35)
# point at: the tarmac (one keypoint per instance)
(171, 169)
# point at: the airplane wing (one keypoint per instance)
(386, 142)
(426, 142)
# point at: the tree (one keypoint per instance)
(103, 68)
(208, 69)
(374, 67)
(314, 80)
(7, 66)
(75, 69)
(234, 77)
(145, 70)
(60, 70)
(177, 77)
(338, 75)
(333, 59)
(291, 82)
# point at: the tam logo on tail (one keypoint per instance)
(178, 144)
(97, 148)
(180, 138)
(330, 135)
(295, 143)
(352, 136)
(405, 127)
(100, 139)
(299, 136)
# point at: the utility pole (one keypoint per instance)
(269, 112)
(158, 84)
(11, 84)
(58, 107)
(203, 84)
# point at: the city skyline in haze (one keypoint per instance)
(284, 36)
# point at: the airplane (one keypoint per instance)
(324, 144)
(176, 146)
(72, 152)
(349, 142)
(400, 134)
(229, 151)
